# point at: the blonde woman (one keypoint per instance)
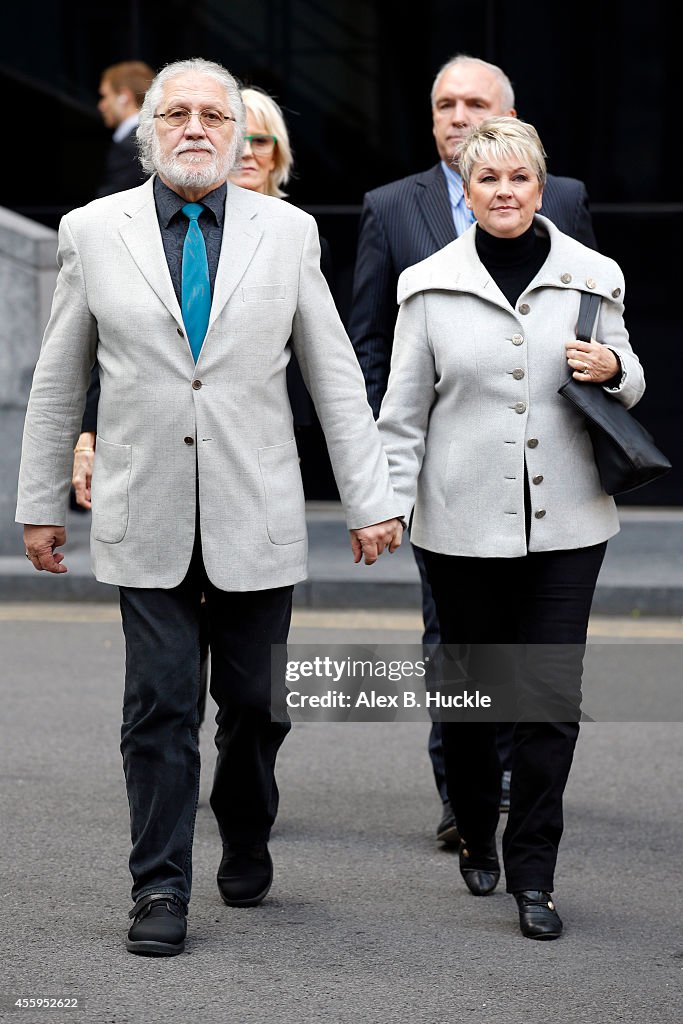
(509, 512)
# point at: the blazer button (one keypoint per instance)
(616, 293)
(524, 309)
(517, 339)
(518, 374)
(532, 442)
(196, 384)
(189, 440)
(590, 283)
(566, 278)
(538, 479)
(540, 513)
(180, 331)
(519, 407)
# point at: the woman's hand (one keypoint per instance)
(81, 475)
(591, 362)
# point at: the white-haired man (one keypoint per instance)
(186, 290)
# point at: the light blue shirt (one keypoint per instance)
(462, 217)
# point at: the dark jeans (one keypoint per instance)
(431, 638)
(159, 736)
(543, 598)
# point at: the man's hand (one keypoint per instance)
(40, 543)
(81, 476)
(372, 540)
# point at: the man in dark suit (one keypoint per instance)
(122, 90)
(405, 222)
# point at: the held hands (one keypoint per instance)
(372, 540)
(81, 475)
(591, 362)
(40, 543)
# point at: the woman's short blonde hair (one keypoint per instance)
(267, 111)
(499, 138)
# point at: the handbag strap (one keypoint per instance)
(588, 314)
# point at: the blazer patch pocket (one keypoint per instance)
(110, 491)
(264, 293)
(284, 493)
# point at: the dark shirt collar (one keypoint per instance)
(169, 203)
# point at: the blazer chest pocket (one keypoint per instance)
(264, 293)
(284, 493)
(110, 491)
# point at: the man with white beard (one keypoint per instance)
(187, 291)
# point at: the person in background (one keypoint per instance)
(509, 512)
(122, 91)
(404, 222)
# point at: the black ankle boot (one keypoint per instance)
(479, 866)
(538, 918)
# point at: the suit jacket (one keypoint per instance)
(122, 168)
(458, 422)
(303, 410)
(177, 439)
(403, 223)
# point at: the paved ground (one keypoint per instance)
(367, 920)
(642, 574)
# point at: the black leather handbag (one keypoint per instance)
(625, 453)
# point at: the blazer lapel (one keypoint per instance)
(142, 236)
(241, 237)
(435, 206)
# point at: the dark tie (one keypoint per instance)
(196, 287)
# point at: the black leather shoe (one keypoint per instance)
(245, 874)
(538, 918)
(505, 792)
(447, 830)
(159, 926)
(480, 868)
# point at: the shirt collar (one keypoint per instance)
(169, 203)
(454, 181)
(126, 127)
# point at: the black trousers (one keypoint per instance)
(430, 641)
(159, 736)
(543, 598)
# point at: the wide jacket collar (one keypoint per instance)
(457, 268)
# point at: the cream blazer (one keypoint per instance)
(472, 395)
(174, 437)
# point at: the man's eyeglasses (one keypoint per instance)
(261, 145)
(178, 118)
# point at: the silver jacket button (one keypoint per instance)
(540, 513)
(518, 374)
(524, 308)
(590, 283)
(566, 278)
(519, 407)
(538, 479)
(517, 339)
(532, 442)
(616, 293)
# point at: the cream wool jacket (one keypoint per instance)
(174, 437)
(472, 395)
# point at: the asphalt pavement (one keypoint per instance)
(368, 920)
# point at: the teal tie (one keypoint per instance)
(196, 288)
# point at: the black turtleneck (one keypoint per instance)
(512, 262)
